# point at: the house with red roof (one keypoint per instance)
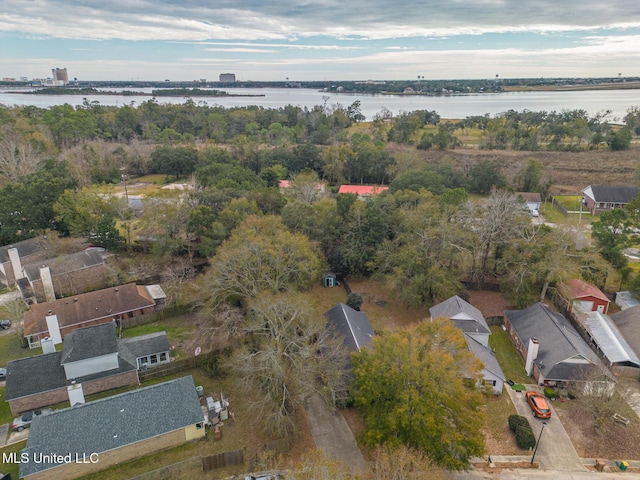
(363, 191)
(585, 297)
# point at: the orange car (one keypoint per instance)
(539, 405)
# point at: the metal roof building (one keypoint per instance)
(606, 336)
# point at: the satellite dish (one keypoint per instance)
(198, 351)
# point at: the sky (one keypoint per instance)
(276, 40)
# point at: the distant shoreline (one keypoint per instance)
(171, 92)
(575, 88)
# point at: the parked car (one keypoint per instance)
(20, 423)
(538, 405)
(5, 324)
(3, 377)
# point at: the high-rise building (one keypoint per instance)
(227, 77)
(60, 74)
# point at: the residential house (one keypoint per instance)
(91, 358)
(582, 296)
(531, 199)
(362, 191)
(554, 352)
(491, 370)
(63, 276)
(476, 332)
(112, 430)
(56, 319)
(601, 198)
(14, 256)
(465, 316)
(352, 325)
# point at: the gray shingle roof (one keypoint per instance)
(25, 248)
(89, 342)
(486, 356)
(614, 193)
(143, 345)
(43, 373)
(353, 325)
(558, 342)
(64, 264)
(114, 422)
(465, 316)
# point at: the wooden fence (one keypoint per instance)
(560, 207)
(211, 462)
(175, 366)
(154, 317)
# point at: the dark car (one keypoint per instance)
(20, 423)
(5, 324)
(538, 405)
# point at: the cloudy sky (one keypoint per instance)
(319, 40)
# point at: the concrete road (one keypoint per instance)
(535, 474)
(555, 450)
(332, 434)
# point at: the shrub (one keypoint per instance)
(525, 437)
(550, 392)
(354, 300)
(516, 421)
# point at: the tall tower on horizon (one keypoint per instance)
(60, 74)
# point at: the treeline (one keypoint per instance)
(59, 165)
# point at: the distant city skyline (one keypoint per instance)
(267, 40)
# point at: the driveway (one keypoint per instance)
(332, 434)
(555, 451)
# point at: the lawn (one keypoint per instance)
(507, 355)
(499, 439)
(11, 468)
(5, 411)
(11, 348)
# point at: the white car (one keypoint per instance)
(535, 213)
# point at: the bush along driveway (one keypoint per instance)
(555, 451)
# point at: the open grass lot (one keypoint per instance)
(499, 439)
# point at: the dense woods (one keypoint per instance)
(447, 221)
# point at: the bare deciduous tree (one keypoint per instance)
(287, 354)
(18, 157)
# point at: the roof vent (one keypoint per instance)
(75, 299)
(50, 312)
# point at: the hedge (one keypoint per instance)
(516, 421)
(525, 437)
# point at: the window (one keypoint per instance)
(154, 359)
(143, 362)
(163, 357)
